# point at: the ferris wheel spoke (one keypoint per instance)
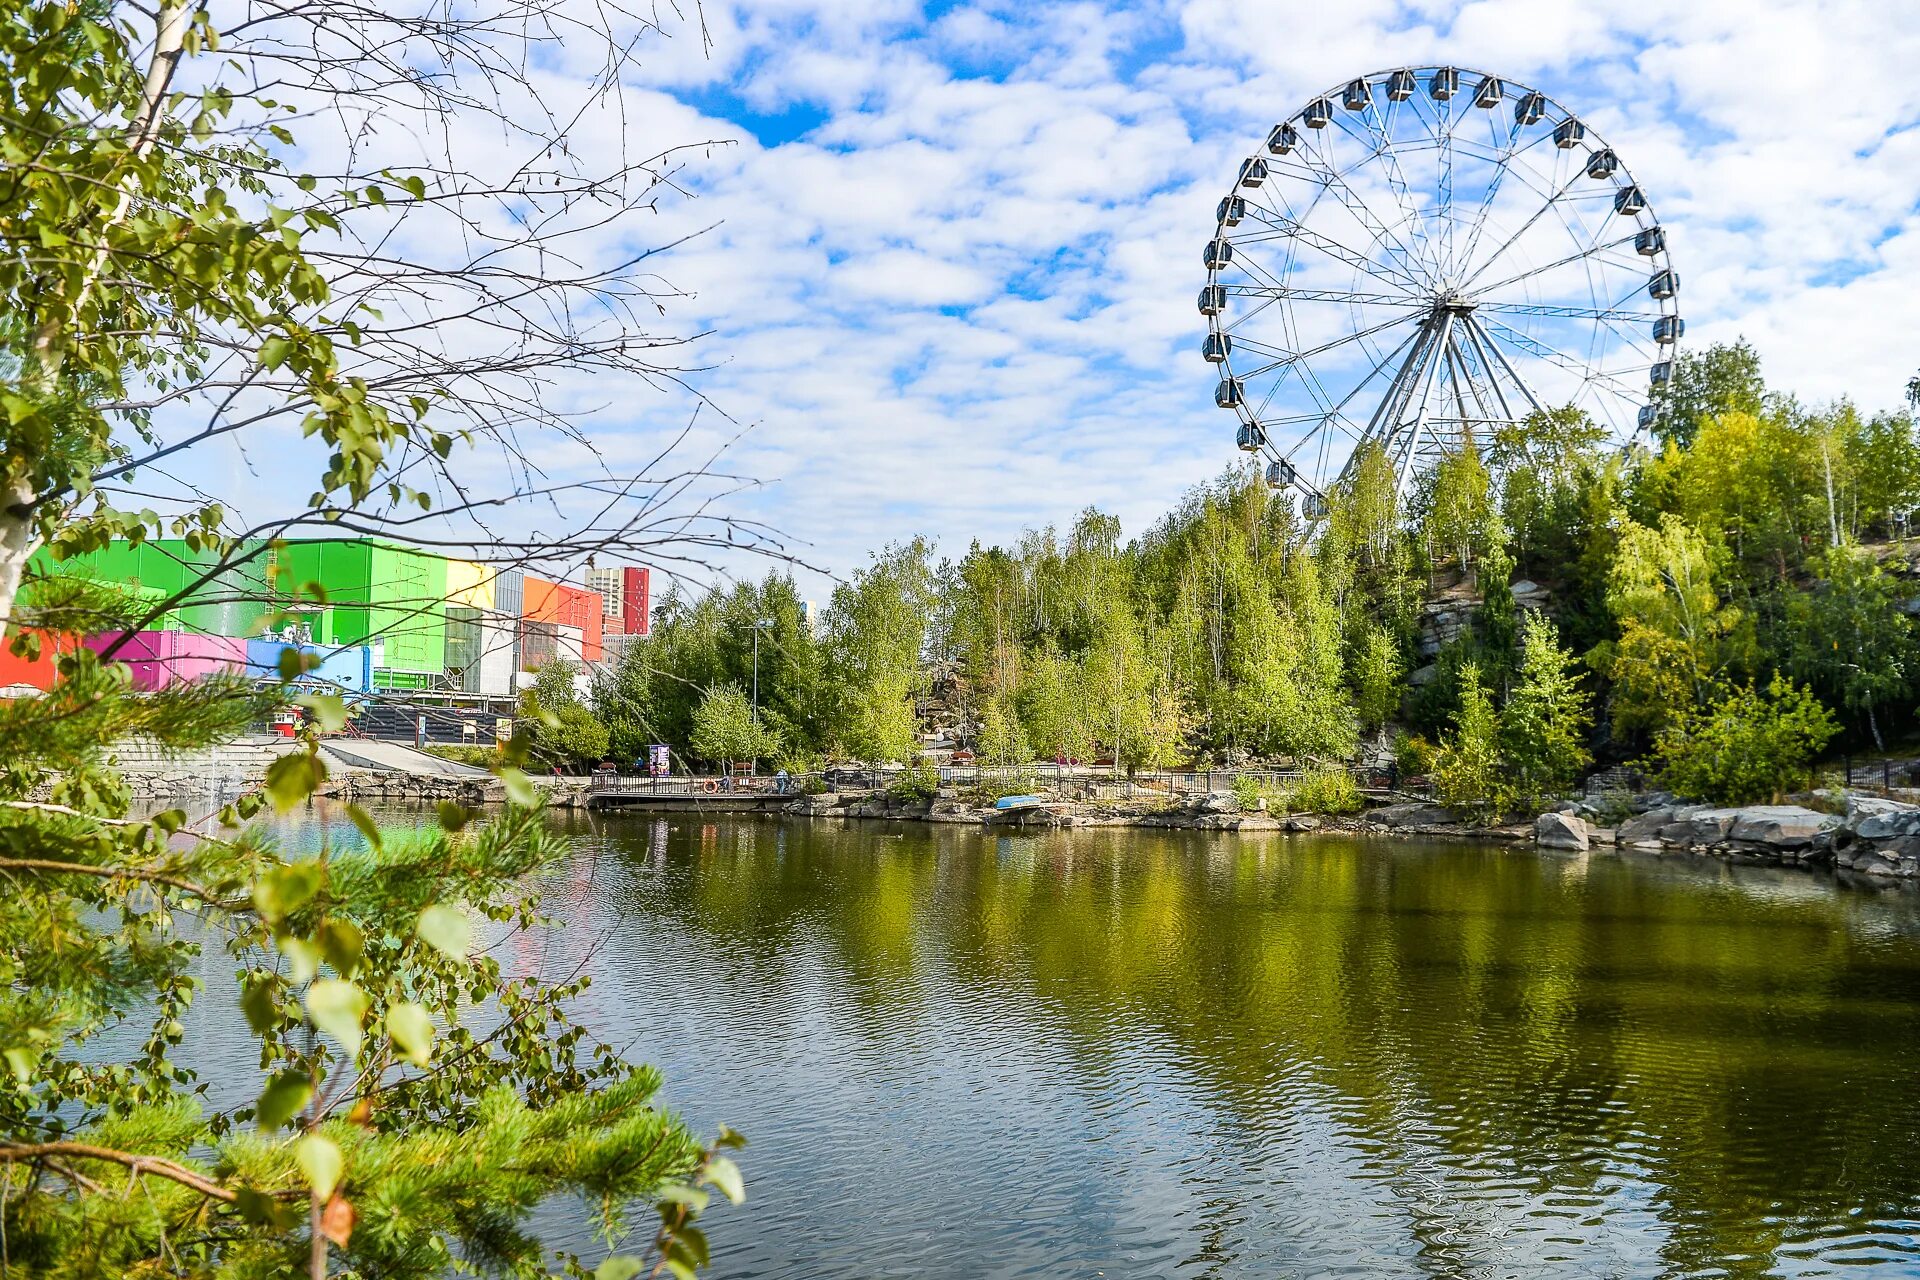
(1341, 190)
(1564, 313)
(1504, 164)
(1380, 144)
(1285, 293)
(1557, 263)
(1553, 355)
(1288, 228)
(1335, 417)
(1283, 358)
(1559, 194)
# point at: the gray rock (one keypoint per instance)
(1888, 823)
(1602, 835)
(1645, 829)
(1778, 826)
(1219, 802)
(1305, 822)
(1560, 831)
(1411, 815)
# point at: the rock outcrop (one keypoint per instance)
(1788, 833)
(1877, 838)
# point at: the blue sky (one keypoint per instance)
(948, 254)
(951, 281)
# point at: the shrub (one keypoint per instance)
(1412, 755)
(1745, 745)
(1323, 791)
(1247, 793)
(480, 757)
(919, 783)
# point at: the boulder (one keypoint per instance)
(1874, 819)
(1219, 802)
(1602, 835)
(1305, 822)
(1644, 830)
(1560, 831)
(1411, 815)
(1778, 826)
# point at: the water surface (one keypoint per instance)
(1131, 1053)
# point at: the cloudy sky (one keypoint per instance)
(949, 255)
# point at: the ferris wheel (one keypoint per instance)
(1420, 256)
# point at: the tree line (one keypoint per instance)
(1730, 586)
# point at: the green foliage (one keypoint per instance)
(1002, 738)
(1412, 755)
(1852, 638)
(1675, 634)
(1547, 717)
(1468, 772)
(1322, 791)
(1745, 745)
(409, 1089)
(726, 730)
(565, 734)
(1376, 677)
(1705, 384)
(916, 785)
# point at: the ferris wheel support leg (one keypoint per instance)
(1392, 407)
(1420, 432)
(1507, 364)
(1486, 362)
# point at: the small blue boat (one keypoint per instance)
(1018, 802)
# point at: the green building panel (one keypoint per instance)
(231, 603)
(375, 593)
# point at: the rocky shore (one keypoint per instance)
(1874, 836)
(1217, 811)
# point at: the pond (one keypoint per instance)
(1129, 1053)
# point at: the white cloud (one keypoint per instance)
(961, 300)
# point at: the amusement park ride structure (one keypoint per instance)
(1420, 256)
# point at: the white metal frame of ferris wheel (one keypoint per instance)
(1461, 346)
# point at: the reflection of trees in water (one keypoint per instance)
(1470, 1019)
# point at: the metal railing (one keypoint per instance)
(1075, 781)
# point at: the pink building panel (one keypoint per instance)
(162, 658)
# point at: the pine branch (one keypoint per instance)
(11, 1152)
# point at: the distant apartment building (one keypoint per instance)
(625, 599)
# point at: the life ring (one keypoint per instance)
(710, 785)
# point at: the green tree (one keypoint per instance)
(186, 283)
(1468, 772)
(878, 626)
(1745, 745)
(726, 729)
(1002, 740)
(1547, 717)
(1725, 378)
(1675, 634)
(564, 732)
(1376, 677)
(1852, 638)
(413, 1101)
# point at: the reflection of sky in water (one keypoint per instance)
(1133, 1053)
